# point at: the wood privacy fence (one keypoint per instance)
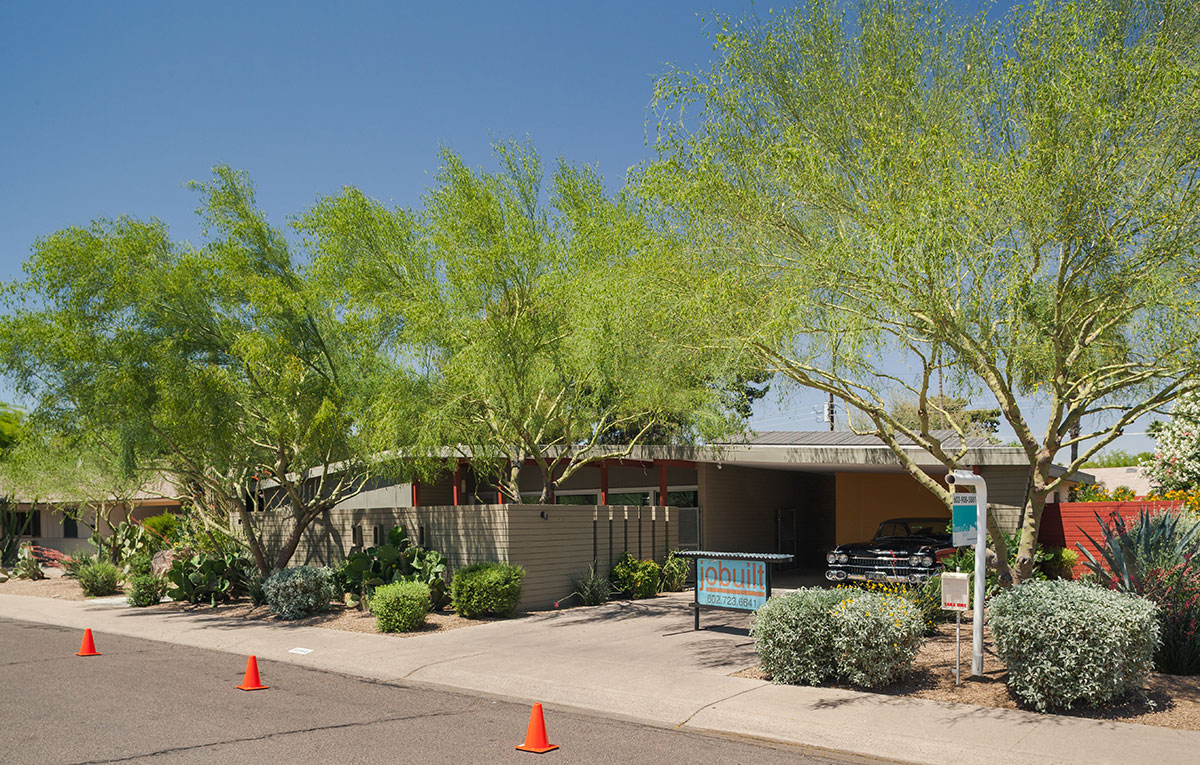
(552, 542)
(1064, 523)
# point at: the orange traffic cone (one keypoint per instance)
(535, 737)
(88, 646)
(251, 682)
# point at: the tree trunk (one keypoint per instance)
(1023, 570)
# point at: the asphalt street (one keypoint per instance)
(146, 700)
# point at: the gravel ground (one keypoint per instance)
(337, 618)
(1167, 701)
(55, 585)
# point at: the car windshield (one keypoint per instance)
(923, 529)
(910, 529)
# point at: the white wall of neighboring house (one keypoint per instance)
(1133, 477)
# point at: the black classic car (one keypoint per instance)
(903, 550)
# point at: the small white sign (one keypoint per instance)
(956, 591)
(303, 651)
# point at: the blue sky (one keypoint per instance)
(110, 108)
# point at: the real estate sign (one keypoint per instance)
(965, 519)
(739, 584)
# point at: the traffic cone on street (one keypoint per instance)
(535, 737)
(251, 682)
(88, 646)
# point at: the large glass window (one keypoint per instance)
(575, 499)
(682, 498)
(641, 498)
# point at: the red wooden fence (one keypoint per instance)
(1064, 523)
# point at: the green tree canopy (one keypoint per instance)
(884, 192)
(221, 366)
(517, 308)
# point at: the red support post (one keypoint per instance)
(457, 483)
(603, 482)
(662, 483)
(416, 493)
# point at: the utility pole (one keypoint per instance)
(829, 411)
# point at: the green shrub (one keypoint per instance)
(164, 529)
(400, 607)
(592, 589)
(146, 590)
(877, 636)
(293, 593)
(428, 568)
(1059, 563)
(674, 573)
(75, 561)
(636, 578)
(793, 635)
(100, 578)
(138, 565)
(486, 588)
(1066, 643)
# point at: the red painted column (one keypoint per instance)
(457, 482)
(662, 483)
(604, 482)
(416, 493)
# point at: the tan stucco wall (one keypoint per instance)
(864, 500)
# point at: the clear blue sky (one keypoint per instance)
(110, 107)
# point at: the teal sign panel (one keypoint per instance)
(965, 519)
(738, 584)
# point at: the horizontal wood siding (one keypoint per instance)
(1065, 523)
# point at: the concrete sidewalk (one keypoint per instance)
(641, 661)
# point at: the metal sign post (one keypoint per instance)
(965, 478)
(956, 596)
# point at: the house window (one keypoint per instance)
(35, 523)
(641, 498)
(574, 499)
(70, 528)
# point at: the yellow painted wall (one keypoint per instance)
(864, 500)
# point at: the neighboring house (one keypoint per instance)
(1134, 477)
(58, 524)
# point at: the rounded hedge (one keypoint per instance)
(793, 635)
(146, 590)
(1067, 643)
(293, 593)
(636, 578)
(852, 635)
(400, 607)
(482, 589)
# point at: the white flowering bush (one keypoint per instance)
(877, 636)
(293, 593)
(1067, 643)
(793, 636)
(1175, 465)
(852, 635)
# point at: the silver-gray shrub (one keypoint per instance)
(877, 636)
(793, 635)
(1067, 643)
(293, 593)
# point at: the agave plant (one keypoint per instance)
(1129, 553)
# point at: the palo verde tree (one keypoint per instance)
(220, 366)
(883, 192)
(495, 297)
